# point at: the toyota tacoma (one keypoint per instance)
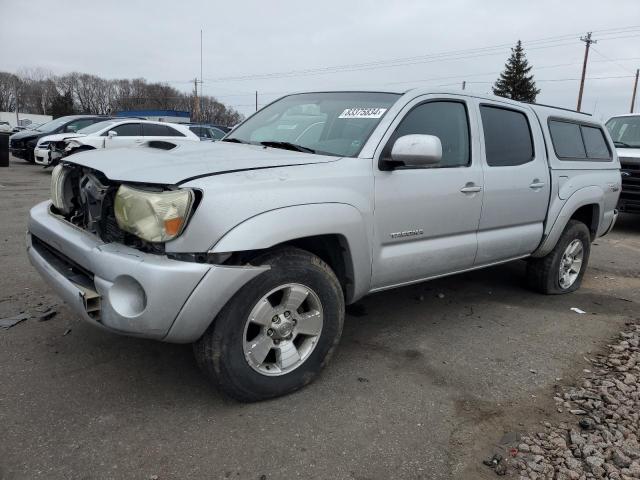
(251, 247)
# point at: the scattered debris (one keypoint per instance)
(497, 464)
(493, 461)
(363, 380)
(48, 315)
(441, 295)
(8, 322)
(66, 332)
(605, 442)
(577, 310)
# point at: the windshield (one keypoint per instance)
(96, 127)
(625, 131)
(326, 123)
(53, 124)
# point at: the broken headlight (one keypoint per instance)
(153, 216)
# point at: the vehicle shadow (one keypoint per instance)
(169, 370)
(628, 223)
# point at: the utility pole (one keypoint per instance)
(256, 100)
(588, 41)
(464, 84)
(201, 79)
(17, 103)
(635, 90)
(196, 105)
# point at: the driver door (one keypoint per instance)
(426, 218)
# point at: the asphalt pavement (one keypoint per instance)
(426, 378)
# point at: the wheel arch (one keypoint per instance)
(585, 205)
(335, 232)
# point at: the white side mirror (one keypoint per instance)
(112, 133)
(417, 150)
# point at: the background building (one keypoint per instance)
(173, 116)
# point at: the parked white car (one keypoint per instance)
(113, 133)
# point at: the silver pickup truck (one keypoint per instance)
(251, 247)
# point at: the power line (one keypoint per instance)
(548, 42)
(610, 60)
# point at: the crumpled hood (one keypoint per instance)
(58, 137)
(187, 161)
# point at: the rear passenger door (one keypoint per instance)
(516, 183)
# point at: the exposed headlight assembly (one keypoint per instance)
(153, 216)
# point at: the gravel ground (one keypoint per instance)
(425, 379)
(603, 443)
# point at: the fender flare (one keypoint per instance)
(584, 196)
(274, 227)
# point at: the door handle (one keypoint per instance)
(471, 188)
(536, 184)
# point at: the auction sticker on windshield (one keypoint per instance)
(363, 112)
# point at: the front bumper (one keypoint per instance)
(127, 291)
(19, 152)
(42, 156)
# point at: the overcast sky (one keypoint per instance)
(160, 40)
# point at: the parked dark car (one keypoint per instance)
(21, 144)
(208, 132)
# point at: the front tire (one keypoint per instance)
(278, 331)
(562, 269)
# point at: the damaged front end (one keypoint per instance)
(85, 198)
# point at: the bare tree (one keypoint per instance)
(37, 90)
(8, 84)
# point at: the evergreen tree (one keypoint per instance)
(62, 105)
(515, 82)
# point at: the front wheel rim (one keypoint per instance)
(283, 329)
(571, 264)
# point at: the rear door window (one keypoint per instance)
(172, 132)
(154, 130)
(507, 137)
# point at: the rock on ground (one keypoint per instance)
(603, 440)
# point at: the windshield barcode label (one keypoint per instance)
(363, 113)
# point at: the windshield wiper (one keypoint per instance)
(621, 144)
(234, 140)
(288, 146)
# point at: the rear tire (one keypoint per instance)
(562, 269)
(230, 352)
